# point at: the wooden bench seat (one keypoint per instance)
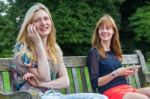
(78, 74)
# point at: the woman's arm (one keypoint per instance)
(61, 82)
(93, 66)
(119, 72)
(43, 66)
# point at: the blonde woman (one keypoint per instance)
(104, 63)
(38, 59)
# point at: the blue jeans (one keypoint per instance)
(58, 95)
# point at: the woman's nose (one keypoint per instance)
(104, 29)
(43, 21)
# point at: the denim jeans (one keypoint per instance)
(57, 95)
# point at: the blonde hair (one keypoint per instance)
(115, 43)
(29, 47)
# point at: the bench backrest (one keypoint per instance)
(80, 77)
(78, 72)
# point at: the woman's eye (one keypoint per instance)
(100, 28)
(108, 28)
(37, 20)
(46, 18)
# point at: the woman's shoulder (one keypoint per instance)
(93, 50)
(23, 55)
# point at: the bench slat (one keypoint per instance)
(83, 78)
(75, 61)
(130, 59)
(5, 64)
(1, 81)
(75, 80)
(142, 60)
(137, 80)
(67, 90)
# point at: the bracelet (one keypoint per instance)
(114, 73)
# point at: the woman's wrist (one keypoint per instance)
(41, 84)
(44, 84)
(115, 74)
(37, 45)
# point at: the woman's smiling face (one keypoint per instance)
(106, 32)
(42, 23)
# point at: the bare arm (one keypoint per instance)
(119, 72)
(43, 66)
(105, 79)
(61, 82)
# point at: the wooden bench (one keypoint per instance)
(78, 74)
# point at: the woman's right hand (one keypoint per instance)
(124, 71)
(33, 34)
(32, 79)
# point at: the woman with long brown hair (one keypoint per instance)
(104, 64)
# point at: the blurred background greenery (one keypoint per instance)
(75, 21)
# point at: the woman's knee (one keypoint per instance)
(135, 96)
(145, 91)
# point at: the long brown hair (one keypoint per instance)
(115, 43)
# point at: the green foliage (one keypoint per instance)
(9, 26)
(74, 21)
(5, 36)
(140, 22)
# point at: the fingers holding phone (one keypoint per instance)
(134, 68)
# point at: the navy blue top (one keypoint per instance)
(99, 67)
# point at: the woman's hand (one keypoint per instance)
(125, 71)
(33, 34)
(32, 79)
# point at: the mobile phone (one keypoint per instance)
(135, 67)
